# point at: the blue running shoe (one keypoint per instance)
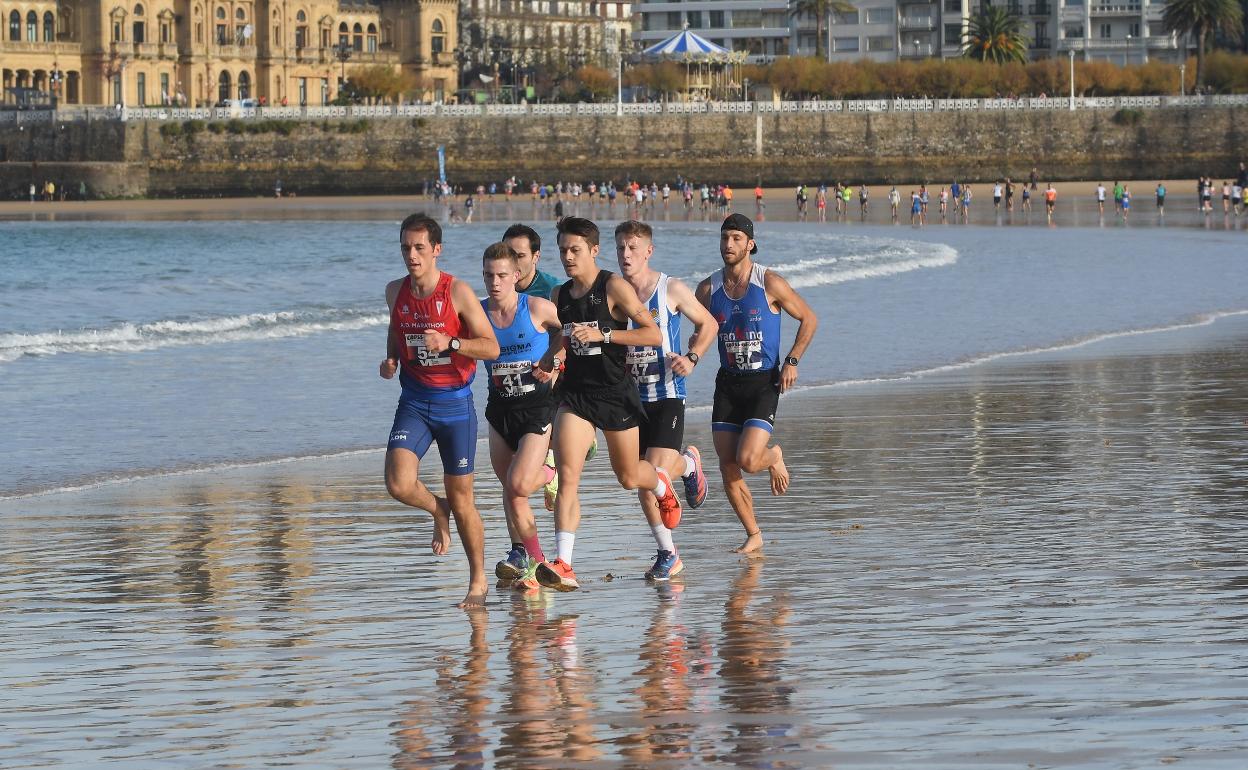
(666, 566)
(695, 483)
(514, 565)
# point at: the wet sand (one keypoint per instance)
(1076, 206)
(1034, 562)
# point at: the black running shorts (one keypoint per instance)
(664, 426)
(617, 408)
(513, 421)
(745, 400)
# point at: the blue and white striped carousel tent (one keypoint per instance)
(685, 44)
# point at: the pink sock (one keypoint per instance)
(534, 548)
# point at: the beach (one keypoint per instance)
(1035, 561)
(1014, 536)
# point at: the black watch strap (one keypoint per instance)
(790, 360)
(693, 358)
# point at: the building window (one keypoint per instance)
(15, 26)
(199, 32)
(437, 40)
(344, 36)
(164, 88)
(223, 87)
(747, 19)
(1073, 31)
(673, 20)
(953, 6)
(953, 34)
(140, 27)
(1135, 29)
(694, 19)
(880, 43)
(241, 15)
(372, 39)
(324, 90)
(140, 85)
(32, 28)
(1107, 31)
(845, 44)
(303, 92)
(849, 17)
(717, 19)
(116, 31)
(880, 15)
(301, 37)
(1041, 33)
(49, 27)
(165, 34)
(357, 38)
(244, 85)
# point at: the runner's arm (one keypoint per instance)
(546, 317)
(390, 366)
(704, 326)
(792, 303)
(623, 300)
(480, 342)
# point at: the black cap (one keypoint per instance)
(740, 222)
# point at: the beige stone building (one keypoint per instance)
(202, 52)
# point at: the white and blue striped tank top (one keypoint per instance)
(650, 366)
(749, 330)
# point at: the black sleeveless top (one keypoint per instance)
(595, 365)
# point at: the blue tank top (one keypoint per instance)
(650, 365)
(749, 330)
(521, 345)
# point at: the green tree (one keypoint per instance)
(1203, 18)
(822, 10)
(996, 36)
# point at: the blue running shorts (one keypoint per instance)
(452, 423)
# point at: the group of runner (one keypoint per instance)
(599, 352)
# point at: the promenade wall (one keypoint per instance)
(394, 154)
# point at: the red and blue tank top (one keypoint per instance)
(423, 373)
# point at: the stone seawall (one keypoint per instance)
(394, 155)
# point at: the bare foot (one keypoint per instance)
(779, 474)
(753, 542)
(441, 542)
(475, 599)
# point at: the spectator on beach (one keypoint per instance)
(82, 191)
(1026, 199)
(916, 208)
(1161, 199)
(863, 194)
(32, 192)
(1126, 202)
(1033, 179)
(1226, 197)
(1100, 198)
(966, 203)
(1009, 195)
(1050, 201)
(944, 203)
(1237, 197)
(996, 195)
(1117, 197)
(923, 200)
(894, 201)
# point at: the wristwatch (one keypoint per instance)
(790, 360)
(455, 344)
(693, 358)
(556, 364)
(606, 336)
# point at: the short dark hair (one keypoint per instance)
(579, 226)
(631, 228)
(524, 231)
(500, 250)
(422, 221)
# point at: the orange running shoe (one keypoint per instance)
(558, 575)
(669, 506)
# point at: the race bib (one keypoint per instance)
(582, 348)
(645, 365)
(512, 378)
(745, 354)
(422, 355)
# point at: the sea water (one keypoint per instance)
(139, 348)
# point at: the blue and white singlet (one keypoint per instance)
(749, 330)
(521, 345)
(650, 366)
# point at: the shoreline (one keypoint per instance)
(1207, 328)
(260, 207)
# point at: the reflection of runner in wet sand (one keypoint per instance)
(746, 300)
(753, 649)
(438, 331)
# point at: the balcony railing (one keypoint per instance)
(1040, 9)
(230, 51)
(21, 46)
(147, 50)
(1116, 9)
(1152, 43)
(917, 22)
(911, 51)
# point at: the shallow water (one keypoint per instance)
(1034, 562)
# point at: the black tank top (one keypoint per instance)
(595, 365)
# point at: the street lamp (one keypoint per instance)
(916, 48)
(1183, 79)
(343, 52)
(54, 80)
(1072, 79)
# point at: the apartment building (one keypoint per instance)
(761, 28)
(514, 36)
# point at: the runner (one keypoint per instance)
(660, 373)
(1050, 201)
(527, 245)
(1100, 198)
(746, 299)
(437, 333)
(597, 392)
(1161, 199)
(520, 407)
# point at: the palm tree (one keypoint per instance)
(996, 36)
(1203, 18)
(822, 10)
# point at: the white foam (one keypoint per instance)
(130, 337)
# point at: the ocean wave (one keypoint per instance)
(131, 337)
